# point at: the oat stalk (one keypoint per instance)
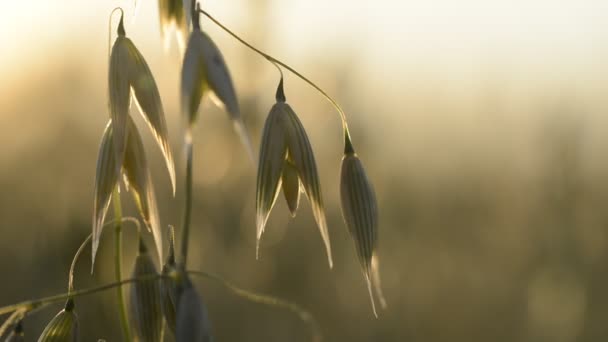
(124, 322)
(188, 204)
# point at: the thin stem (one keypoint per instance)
(188, 205)
(30, 305)
(76, 256)
(85, 242)
(304, 315)
(348, 145)
(118, 263)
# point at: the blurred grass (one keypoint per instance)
(492, 199)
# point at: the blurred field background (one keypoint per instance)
(482, 124)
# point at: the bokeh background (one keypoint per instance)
(481, 123)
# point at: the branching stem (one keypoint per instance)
(304, 315)
(348, 145)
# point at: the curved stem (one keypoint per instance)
(118, 263)
(348, 145)
(188, 205)
(85, 242)
(304, 315)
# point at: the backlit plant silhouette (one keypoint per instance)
(166, 302)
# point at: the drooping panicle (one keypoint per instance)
(204, 69)
(63, 327)
(360, 211)
(130, 74)
(145, 299)
(287, 160)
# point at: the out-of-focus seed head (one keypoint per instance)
(145, 302)
(63, 327)
(204, 68)
(172, 15)
(192, 319)
(300, 151)
(137, 176)
(106, 178)
(291, 186)
(168, 288)
(272, 158)
(194, 77)
(17, 335)
(130, 72)
(360, 212)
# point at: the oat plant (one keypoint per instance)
(163, 298)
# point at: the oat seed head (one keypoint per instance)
(145, 301)
(360, 212)
(172, 15)
(204, 69)
(192, 319)
(63, 327)
(272, 156)
(302, 155)
(147, 98)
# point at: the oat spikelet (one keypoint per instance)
(272, 158)
(204, 69)
(301, 152)
(286, 159)
(172, 15)
(145, 301)
(129, 73)
(192, 319)
(360, 212)
(106, 178)
(63, 327)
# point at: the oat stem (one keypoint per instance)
(118, 263)
(84, 244)
(30, 305)
(304, 315)
(188, 204)
(348, 145)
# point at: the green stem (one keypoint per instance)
(348, 145)
(118, 263)
(188, 205)
(30, 305)
(86, 241)
(304, 315)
